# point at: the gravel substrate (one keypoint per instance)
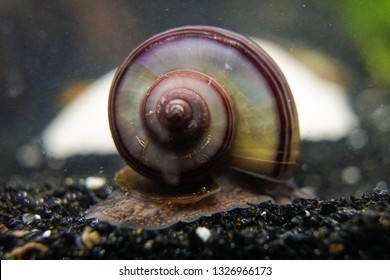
(46, 221)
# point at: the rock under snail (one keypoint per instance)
(206, 122)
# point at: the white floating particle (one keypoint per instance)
(381, 117)
(228, 67)
(357, 138)
(350, 175)
(30, 155)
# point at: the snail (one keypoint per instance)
(206, 122)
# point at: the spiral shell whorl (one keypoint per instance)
(180, 116)
(186, 124)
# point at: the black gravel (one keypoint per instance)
(46, 221)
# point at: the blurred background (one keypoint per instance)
(51, 50)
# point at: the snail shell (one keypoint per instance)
(186, 108)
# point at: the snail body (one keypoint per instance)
(186, 108)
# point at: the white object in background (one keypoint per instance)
(82, 126)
